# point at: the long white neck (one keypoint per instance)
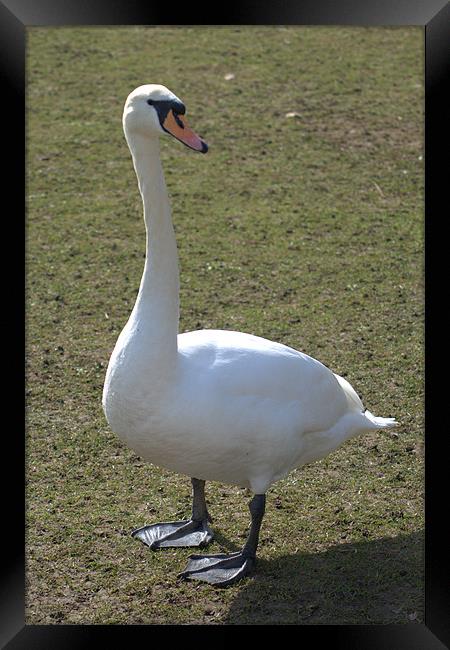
(156, 312)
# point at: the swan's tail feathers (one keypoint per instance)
(380, 423)
(365, 418)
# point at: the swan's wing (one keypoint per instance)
(235, 365)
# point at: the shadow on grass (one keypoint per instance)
(374, 582)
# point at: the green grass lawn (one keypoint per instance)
(303, 224)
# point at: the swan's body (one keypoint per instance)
(238, 409)
(211, 404)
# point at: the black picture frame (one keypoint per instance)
(434, 17)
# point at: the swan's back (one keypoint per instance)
(232, 365)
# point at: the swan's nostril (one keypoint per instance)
(178, 121)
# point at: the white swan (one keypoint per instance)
(214, 405)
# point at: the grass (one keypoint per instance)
(303, 224)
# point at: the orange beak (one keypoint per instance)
(177, 126)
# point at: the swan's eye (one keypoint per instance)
(178, 108)
(150, 102)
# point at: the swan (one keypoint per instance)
(210, 404)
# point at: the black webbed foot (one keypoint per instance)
(221, 570)
(175, 534)
(191, 532)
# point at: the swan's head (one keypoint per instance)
(153, 110)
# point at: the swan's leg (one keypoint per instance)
(199, 509)
(221, 569)
(192, 532)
